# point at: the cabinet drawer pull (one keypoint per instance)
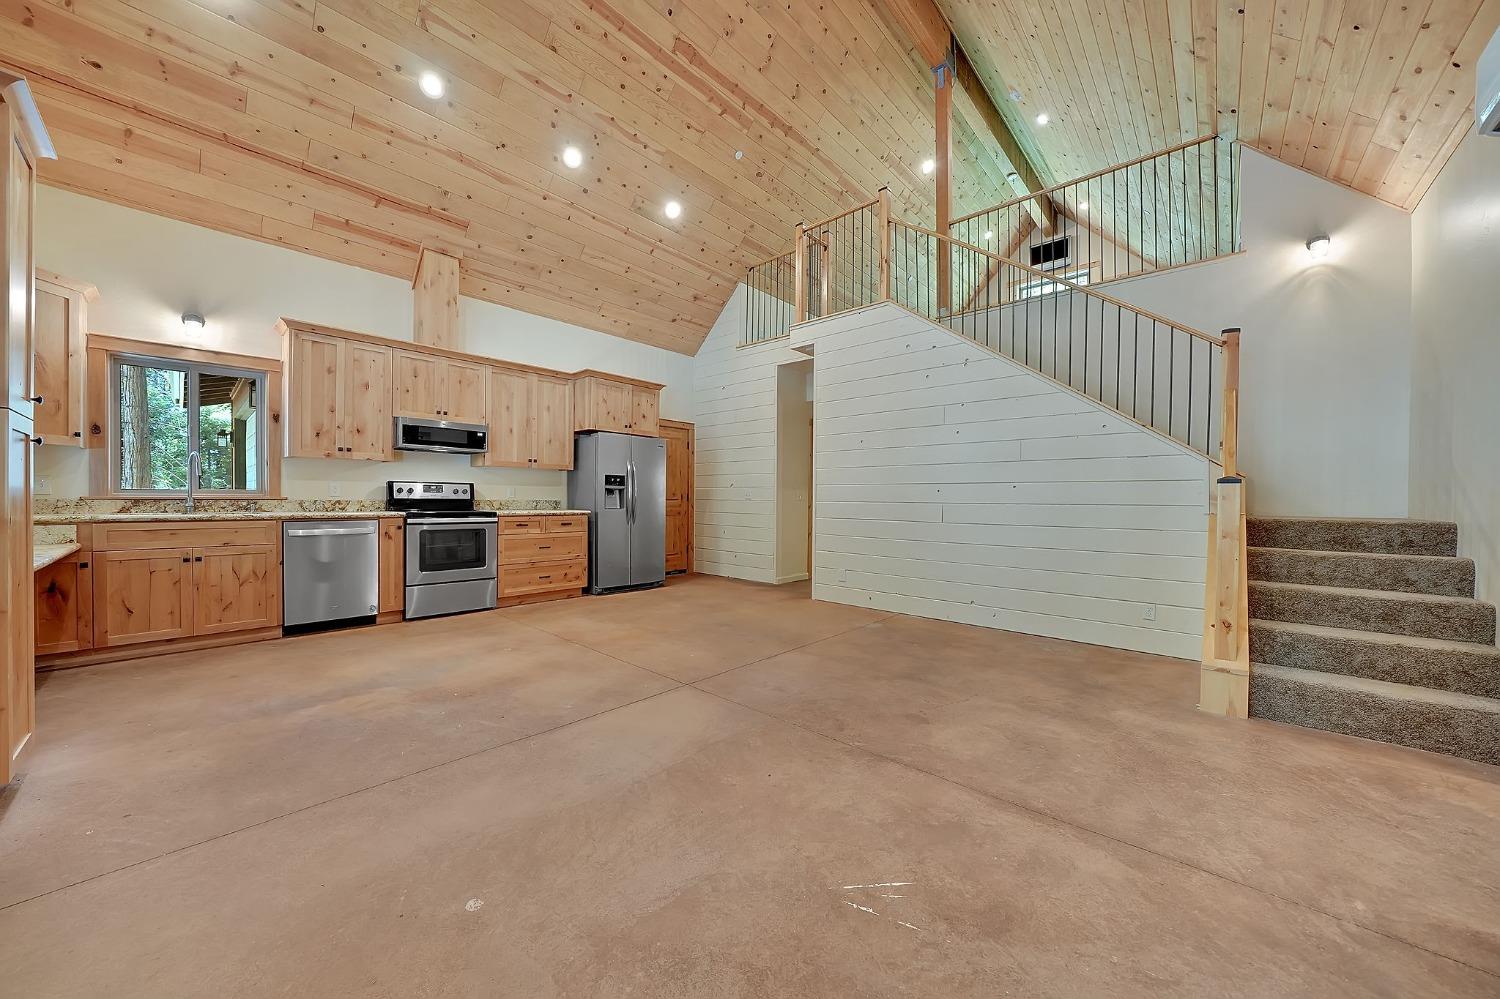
(548, 576)
(36, 399)
(543, 547)
(83, 565)
(186, 558)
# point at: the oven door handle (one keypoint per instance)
(452, 521)
(328, 532)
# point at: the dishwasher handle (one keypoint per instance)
(328, 532)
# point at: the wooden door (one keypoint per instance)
(365, 409)
(610, 405)
(142, 596)
(512, 433)
(464, 391)
(552, 404)
(17, 617)
(19, 276)
(392, 565)
(57, 362)
(679, 440)
(65, 606)
(419, 384)
(314, 392)
(644, 403)
(236, 588)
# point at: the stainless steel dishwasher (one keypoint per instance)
(330, 572)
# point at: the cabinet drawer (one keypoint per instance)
(565, 525)
(540, 547)
(139, 535)
(521, 525)
(518, 580)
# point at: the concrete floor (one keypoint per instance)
(667, 793)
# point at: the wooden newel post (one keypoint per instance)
(885, 244)
(799, 276)
(1229, 455)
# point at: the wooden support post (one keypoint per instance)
(435, 300)
(799, 278)
(1229, 454)
(1224, 681)
(943, 96)
(885, 244)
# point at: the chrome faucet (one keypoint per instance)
(192, 478)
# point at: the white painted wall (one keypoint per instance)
(1325, 360)
(1455, 446)
(149, 270)
(957, 484)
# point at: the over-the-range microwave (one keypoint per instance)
(441, 435)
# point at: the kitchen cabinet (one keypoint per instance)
(17, 618)
(338, 397)
(392, 562)
(236, 588)
(609, 402)
(64, 593)
(432, 386)
(530, 420)
(542, 557)
(59, 349)
(142, 596)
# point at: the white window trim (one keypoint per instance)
(1044, 287)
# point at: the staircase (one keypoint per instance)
(1370, 628)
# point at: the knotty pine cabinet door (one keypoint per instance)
(314, 389)
(142, 596)
(419, 384)
(611, 405)
(552, 408)
(464, 391)
(644, 415)
(20, 286)
(512, 434)
(365, 406)
(17, 614)
(236, 588)
(391, 562)
(65, 606)
(58, 341)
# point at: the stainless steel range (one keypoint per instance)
(450, 547)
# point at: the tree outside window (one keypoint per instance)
(166, 409)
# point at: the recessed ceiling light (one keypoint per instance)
(431, 84)
(1319, 246)
(672, 209)
(1043, 118)
(739, 154)
(928, 166)
(1083, 206)
(192, 320)
(572, 158)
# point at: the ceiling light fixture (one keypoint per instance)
(928, 166)
(1318, 246)
(572, 158)
(431, 84)
(192, 320)
(672, 209)
(1043, 118)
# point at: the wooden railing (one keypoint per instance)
(770, 299)
(1174, 207)
(839, 259)
(1224, 681)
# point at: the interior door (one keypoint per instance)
(648, 515)
(236, 588)
(679, 440)
(366, 409)
(464, 390)
(419, 384)
(553, 405)
(510, 420)
(142, 596)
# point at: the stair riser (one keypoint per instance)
(1398, 538)
(1462, 732)
(1439, 577)
(1460, 622)
(1462, 672)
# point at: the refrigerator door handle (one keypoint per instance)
(630, 491)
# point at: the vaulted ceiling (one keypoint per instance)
(300, 122)
(1373, 94)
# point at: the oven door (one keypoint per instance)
(449, 550)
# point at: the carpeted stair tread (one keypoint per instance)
(1439, 721)
(1455, 618)
(1460, 667)
(1354, 534)
(1440, 575)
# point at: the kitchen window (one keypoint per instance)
(164, 410)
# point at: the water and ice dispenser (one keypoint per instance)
(614, 492)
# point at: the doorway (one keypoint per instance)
(679, 438)
(794, 471)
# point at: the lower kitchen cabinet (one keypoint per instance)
(142, 596)
(236, 589)
(542, 558)
(392, 560)
(65, 605)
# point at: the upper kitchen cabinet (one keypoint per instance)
(59, 349)
(610, 402)
(432, 386)
(530, 420)
(338, 395)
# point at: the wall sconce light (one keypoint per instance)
(1318, 246)
(192, 320)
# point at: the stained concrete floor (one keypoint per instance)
(671, 793)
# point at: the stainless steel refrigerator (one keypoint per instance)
(621, 480)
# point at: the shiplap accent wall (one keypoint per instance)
(953, 483)
(734, 405)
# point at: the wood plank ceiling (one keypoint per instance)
(300, 123)
(1373, 94)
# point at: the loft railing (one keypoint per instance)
(839, 259)
(1174, 207)
(770, 305)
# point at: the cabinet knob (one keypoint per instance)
(36, 399)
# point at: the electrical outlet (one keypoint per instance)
(43, 488)
(334, 489)
(510, 492)
(1149, 613)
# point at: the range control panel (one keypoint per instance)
(432, 490)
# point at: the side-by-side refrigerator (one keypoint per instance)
(621, 480)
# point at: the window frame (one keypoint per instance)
(107, 353)
(1019, 288)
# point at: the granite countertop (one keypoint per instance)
(543, 513)
(53, 519)
(44, 555)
